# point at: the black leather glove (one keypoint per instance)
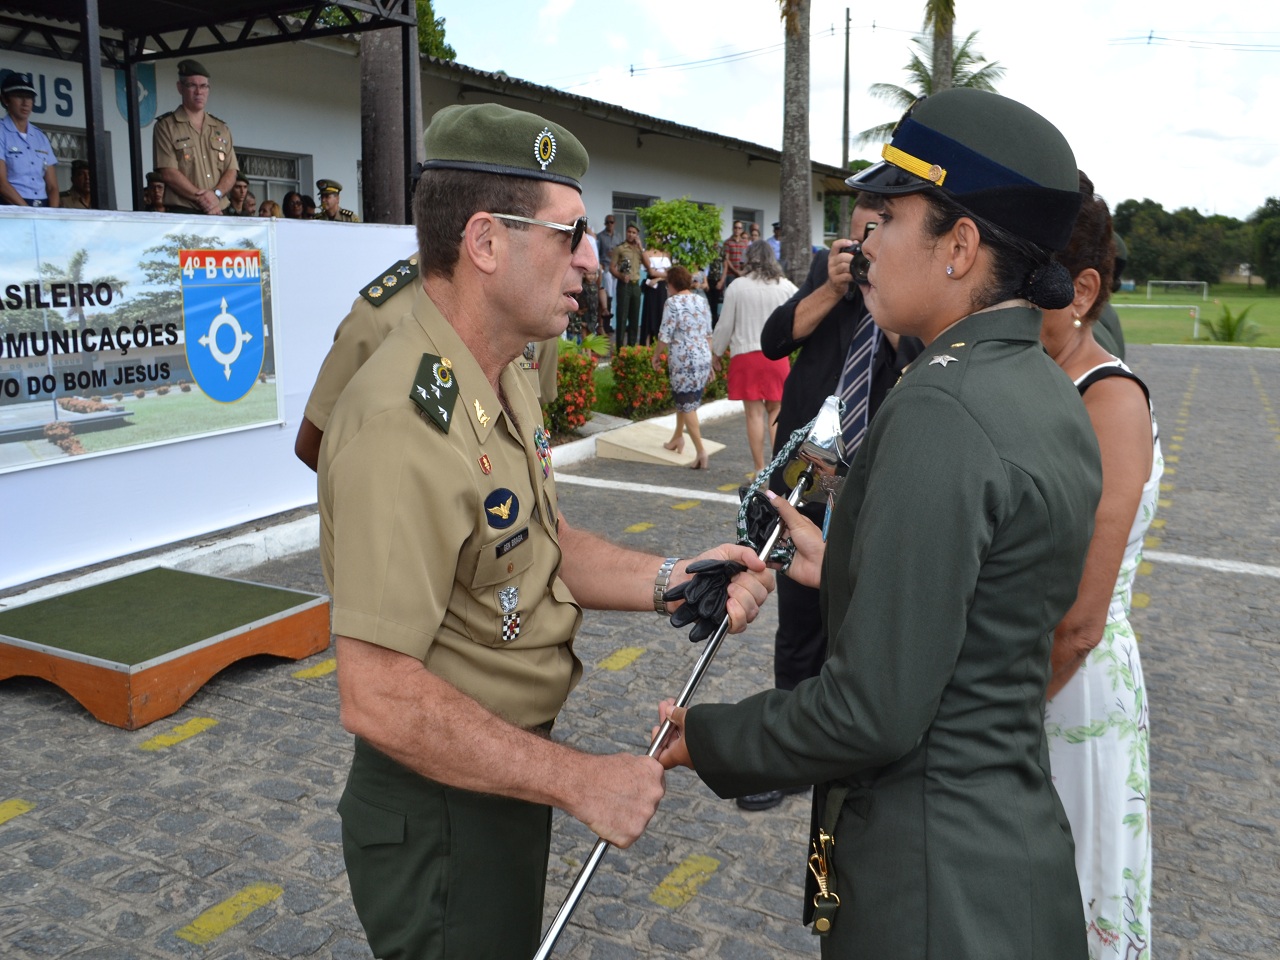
(705, 596)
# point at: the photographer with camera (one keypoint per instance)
(625, 264)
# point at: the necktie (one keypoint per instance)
(855, 385)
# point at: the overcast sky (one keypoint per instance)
(1190, 119)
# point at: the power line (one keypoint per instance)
(1153, 39)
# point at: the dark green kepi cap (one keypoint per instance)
(192, 68)
(490, 138)
(154, 177)
(992, 155)
(328, 186)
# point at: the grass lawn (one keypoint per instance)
(180, 414)
(606, 402)
(1174, 325)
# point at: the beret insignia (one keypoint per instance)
(544, 148)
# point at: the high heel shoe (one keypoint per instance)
(700, 463)
(675, 446)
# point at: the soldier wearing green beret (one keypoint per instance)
(238, 198)
(330, 192)
(193, 150)
(153, 193)
(953, 550)
(457, 585)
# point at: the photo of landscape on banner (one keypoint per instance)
(118, 333)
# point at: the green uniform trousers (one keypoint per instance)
(626, 315)
(437, 872)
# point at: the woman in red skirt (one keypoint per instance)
(754, 378)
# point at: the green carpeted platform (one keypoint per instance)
(136, 649)
(146, 615)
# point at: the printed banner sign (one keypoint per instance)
(123, 332)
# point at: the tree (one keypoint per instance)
(74, 274)
(431, 33)
(940, 15)
(686, 230)
(969, 68)
(796, 186)
(1266, 242)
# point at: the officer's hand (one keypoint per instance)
(840, 266)
(749, 589)
(674, 752)
(806, 565)
(622, 798)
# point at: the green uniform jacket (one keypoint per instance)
(1108, 333)
(955, 547)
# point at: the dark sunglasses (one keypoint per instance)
(576, 229)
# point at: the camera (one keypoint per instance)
(860, 264)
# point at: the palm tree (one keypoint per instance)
(796, 179)
(969, 68)
(940, 15)
(74, 274)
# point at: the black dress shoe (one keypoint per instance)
(768, 799)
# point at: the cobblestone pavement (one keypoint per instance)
(225, 844)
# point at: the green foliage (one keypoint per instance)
(686, 230)
(431, 33)
(430, 27)
(575, 389)
(831, 204)
(969, 68)
(639, 390)
(1265, 242)
(1232, 327)
(1182, 245)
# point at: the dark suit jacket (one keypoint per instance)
(816, 372)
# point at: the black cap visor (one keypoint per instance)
(885, 178)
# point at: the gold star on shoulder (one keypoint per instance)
(942, 359)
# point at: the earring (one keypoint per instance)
(950, 270)
(1075, 321)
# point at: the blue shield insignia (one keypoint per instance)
(222, 321)
(144, 91)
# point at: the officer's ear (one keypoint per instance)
(482, 242)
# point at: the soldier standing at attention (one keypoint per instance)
(239, 197)
(153, 195)
(330, 203)
(457, 586)
(192, 149)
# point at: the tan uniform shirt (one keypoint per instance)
(201, 157)
(442, 546)
(364, 328)
(73, 201)
(344, 216)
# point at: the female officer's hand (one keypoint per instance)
(806, 566)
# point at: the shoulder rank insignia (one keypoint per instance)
(378, 290)
(435, 390)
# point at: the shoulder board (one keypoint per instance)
(219, 119)
(345, 212)
(435, 389)
(165, 116)
(379, 290)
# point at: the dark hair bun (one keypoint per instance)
(1049, 286)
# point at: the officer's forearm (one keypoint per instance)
(604, 576)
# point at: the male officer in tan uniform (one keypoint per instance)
(331, 203)
(380, 306)
(193, 150)
(457, 587)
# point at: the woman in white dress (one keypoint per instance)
(1096, 718)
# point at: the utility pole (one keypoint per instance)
(844, 156)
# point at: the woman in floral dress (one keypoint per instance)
(1096, 719)
(685, 337)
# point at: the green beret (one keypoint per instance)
(328, 186)
(489, 138)
(154, 177)
(992, 155)
(192, 68)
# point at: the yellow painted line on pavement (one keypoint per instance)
(1141, 601)
(1145, 567)
(183, 731)
(1151, 543)
(640, 527)
(620, 659)
(1175, 446)
(1178, 438)
(1158, 523)
(1170, 470)
(680, 885)
(1166, 487)
(218, 919)
(725, 487)
(1164, 502)
(686, 505)
(321, 669)
(1171, 458)
(14, 808)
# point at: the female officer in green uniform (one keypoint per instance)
(954, 548)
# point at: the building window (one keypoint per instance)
(271, 174)
(625, 206)
(748, 217)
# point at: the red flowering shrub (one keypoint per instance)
(640, 390)
(82, 404)
(575, 392)
(62, 435)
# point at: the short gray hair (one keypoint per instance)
(761, 263)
